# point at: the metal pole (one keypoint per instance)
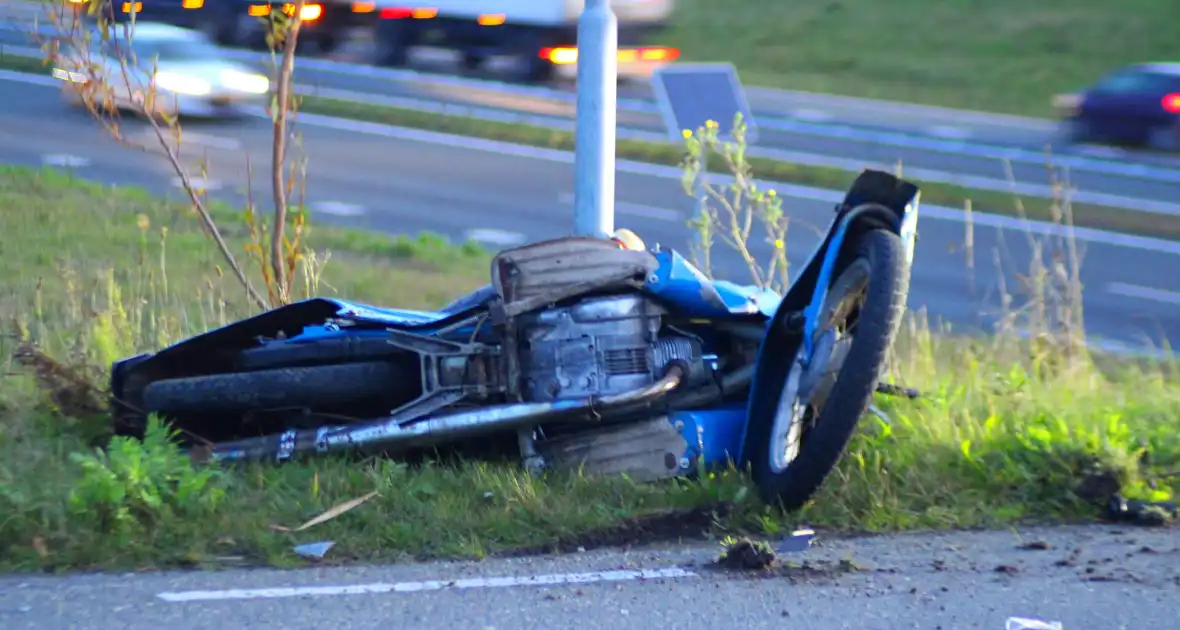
(594, 151)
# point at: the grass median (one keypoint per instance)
(1003, 56)
(1006, 432)
(989, 202)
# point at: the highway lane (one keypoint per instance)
(394, 181)
(1091, 578)
(799, 130)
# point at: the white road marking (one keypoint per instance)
(1144, 293)
(811, 115)
(339, 208)
(948, 132)
(492, 236)
(634, 209)
(199, 183)
(64, 160)
(559, 579)
(1101, 151)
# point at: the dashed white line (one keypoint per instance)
(64, 160)
(1143, 293)
(492, 236)
(339, 208)
(559, 579)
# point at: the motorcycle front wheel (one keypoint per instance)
(792, 451)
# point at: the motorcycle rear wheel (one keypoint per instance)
(879, 273)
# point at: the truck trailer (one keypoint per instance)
(540, 35)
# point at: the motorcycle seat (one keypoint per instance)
(537, 274)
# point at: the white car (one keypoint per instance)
(182, 71)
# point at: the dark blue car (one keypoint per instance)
(1136, 105)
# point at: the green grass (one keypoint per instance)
(1008, 431)
(1084, 215)
(1003, 55)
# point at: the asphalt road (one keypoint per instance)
(963, 147)
(382, 178)
(1087, 578)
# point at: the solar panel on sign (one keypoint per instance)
(691, 94)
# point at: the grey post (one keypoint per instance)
(594, 155)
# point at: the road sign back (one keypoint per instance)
(690, 94)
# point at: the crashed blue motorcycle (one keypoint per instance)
(584, 352)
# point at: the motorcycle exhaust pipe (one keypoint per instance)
(428, 432)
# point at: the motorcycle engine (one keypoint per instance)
(599, 346)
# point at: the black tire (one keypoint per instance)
(1165, 138)
(472, 61)
(877, 323)
(327, 387)
(394, 40)
(327, 42)
(530, 67)
(221, 29)
(1072, 131)
(346, 349)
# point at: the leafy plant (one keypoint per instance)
(135, 486)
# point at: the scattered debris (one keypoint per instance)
(1071, 559)
(799, 540)
(331, 513)
(747, 555)
(1146, 513)
(1035, 545)
(1020, 623)
(316, 550)
(1007, 569)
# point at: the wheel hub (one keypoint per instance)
(805, 394)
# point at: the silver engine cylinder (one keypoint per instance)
(599, 346)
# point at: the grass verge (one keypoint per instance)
(1100, 217)
(1005, 433)
(1003, 56)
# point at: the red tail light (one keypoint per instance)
(402, 13)
(1172, 103)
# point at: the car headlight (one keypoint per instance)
(181, 84)
(245, 82)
